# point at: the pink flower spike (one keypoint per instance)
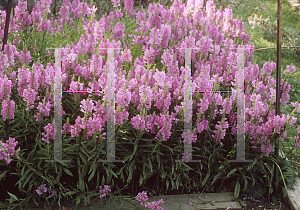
(292, 196)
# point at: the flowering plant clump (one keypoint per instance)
(150, 97)
(149, 83)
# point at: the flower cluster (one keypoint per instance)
(8, 110)
(8, 150)
(142, 196)
(290, 69)
(129, 8)
(104, 191)
(297, 105)
(42, 189)
(256, 20)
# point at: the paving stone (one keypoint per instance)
(172, 202)
(293, 197)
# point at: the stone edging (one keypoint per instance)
(293, 194)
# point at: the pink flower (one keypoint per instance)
(8, 111)
(50, 132)
(42, 189)
(128, 6)
(116, 3)
(8, 149)
(104, 191)
(142, 196)
(118, 31)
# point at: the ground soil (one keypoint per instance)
(264, 205)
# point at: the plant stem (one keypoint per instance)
(237, 6)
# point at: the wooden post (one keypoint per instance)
(278, 74)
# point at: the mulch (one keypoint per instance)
(252, 204)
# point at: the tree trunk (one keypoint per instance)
(8, 11)
(30, 5)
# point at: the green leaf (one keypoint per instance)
(245, 183)
(22, 172)
(134, 150)
(31, 183)
(3, 174)
(232, 172)
(27, 180)
(273, 159)
(130, 172)
(103, 181)
(81, 185)
(205, 179)
(82, 150)
(253, 180)
(55, 166)
(94, 167)
(12, 196)
(150, 165)
(164, 174)
(221, 167)
(254, 162)
(158, 160)
(83, 158)
(167, 183)
(284, 192)
(71, 193)
(172, 169)
(67, 171)
(177, 183)
(216, 177)
(78, 199)
(34, 200)
(141, 179)
(237, 190)
(249, 167)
